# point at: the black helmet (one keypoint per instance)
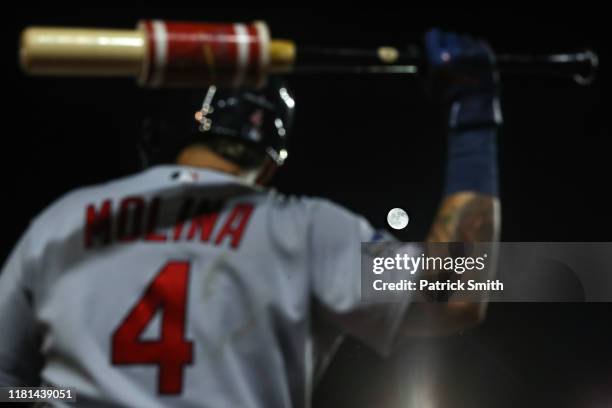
(258, 118)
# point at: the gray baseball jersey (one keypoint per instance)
(184, 287)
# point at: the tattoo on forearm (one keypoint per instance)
(467, 217)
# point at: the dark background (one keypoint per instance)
(372, 143)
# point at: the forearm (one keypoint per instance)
(466, 216)
(469, 212)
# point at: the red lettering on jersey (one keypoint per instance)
(130, 218)
(98, 224)
(152, 222)
(235, 224)
(171, 352)
(205, 222)
(131, 223)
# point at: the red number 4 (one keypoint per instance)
(171, 352)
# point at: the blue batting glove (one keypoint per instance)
(464, 76)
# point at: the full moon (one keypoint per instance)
(397, 218)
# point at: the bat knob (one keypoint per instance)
(589, 77)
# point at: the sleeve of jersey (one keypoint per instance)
(336, 238)
(19, 352)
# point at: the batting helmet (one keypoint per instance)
(257, 119)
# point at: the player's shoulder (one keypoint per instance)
(330, 220)
(312, 208)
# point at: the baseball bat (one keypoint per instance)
(173, 54)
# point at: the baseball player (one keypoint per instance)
(191, 284)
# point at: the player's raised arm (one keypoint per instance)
(465, 81)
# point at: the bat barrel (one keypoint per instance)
(159, 53)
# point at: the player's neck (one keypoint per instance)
(200, 156)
